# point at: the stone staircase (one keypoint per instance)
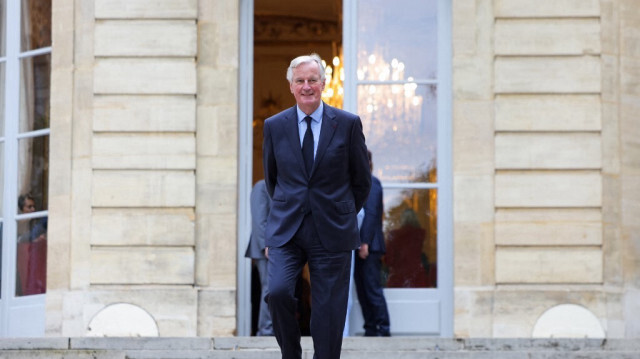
(353, 348)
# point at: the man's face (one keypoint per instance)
(29, 206)
(306, 86)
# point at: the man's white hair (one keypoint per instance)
(303, 60)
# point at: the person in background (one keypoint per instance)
(26, 204)
(260, 204)
(31, 257)
(368, 262)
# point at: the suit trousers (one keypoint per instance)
(371, 296)
(329, 293)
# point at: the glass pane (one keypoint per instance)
(399, 123)
(31, 257)
(36, 24)
(410, 223)
(2, 88)
(404, 34)
(1, 181)
(1, 267)
(3, 27)
(34, 92)
(33, 174)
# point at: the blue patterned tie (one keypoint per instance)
(307, 146)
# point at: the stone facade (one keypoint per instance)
(540, 215)
(133, 220)
(144, 163)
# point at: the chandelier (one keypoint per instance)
(390, 104)
(397, 100)
(401, 96)
(333, 93)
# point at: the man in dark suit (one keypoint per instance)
(260, 204)
(318, 177)
(366, 274)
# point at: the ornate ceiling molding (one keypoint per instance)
(269, 28)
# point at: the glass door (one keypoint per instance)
(25, 68)
(398, 74)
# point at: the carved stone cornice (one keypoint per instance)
(270, 28)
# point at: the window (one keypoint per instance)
(397, 101)
(398, 79)
(25, 68)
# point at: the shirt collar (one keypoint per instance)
(316, 115)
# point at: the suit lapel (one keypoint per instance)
(328, 128)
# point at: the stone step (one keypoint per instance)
(442, 344)
(160, 354)
(353, 348)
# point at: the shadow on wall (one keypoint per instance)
(122, 320)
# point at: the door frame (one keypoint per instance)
(245, 165)
(444, 147)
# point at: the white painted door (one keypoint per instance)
(25, 68)
(397, 78)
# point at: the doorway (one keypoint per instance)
(283, 30)
(397, 77)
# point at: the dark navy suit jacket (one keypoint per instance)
(334, 191)
(371, 231)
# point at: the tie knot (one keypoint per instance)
(308, 120)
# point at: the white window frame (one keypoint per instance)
(12, 308)
(444, 185)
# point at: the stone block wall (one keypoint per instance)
(623, 177)
(144, 206)
(539, 215)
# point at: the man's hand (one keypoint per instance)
(363, 252)
(266, 252)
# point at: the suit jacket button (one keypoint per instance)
(302, 210)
